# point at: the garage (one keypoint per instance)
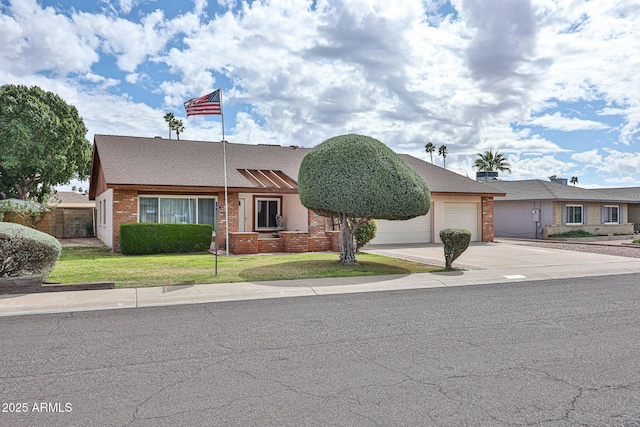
(462, 215)
(416, 230)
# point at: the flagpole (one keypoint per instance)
(226, 196)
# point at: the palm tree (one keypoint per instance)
(169, 118)
(176, 124)
(430, 148)
(491, 162)
(442, 151)
(574, 180)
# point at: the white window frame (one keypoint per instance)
(255, 211)
(581, 214)
(167, 196)
(611, 207)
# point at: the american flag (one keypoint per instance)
(208, 104)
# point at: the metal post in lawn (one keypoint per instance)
(215, 229)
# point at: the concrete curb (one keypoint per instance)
(109, 299)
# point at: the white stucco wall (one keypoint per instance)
(296, 216)
(104, 228)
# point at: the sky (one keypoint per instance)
(552, 84)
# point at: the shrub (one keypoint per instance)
(145, 238)
(574, 234)
(365, 233)
(26, 252)
(455, 241)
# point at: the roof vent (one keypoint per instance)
(158, 137)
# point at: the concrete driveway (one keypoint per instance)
(500, 256)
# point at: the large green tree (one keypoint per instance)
(42, 143)
(492, 162)
(357, 178)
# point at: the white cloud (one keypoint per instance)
(538, 167)
(558, 122)
(36, 38)
(591, 158)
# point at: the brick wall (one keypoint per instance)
(633, 215)
(601, 229)
(295, 241)
(319, 244)
(234, 199)
(487, 219)
(125, 211)
(271, 245)
(317, 224)
(334, 236)
(243, 243)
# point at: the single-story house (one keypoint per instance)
(535, 209)
(136, 179)
(633, 193)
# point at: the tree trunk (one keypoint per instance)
(347, 245)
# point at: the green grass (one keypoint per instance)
(574, 234)
(90, 264)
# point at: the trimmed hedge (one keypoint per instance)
(146, 238)
(455, 241)
(25, 251)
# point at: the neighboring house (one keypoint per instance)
(632, 193)
(137, 179)
(74, 215)
(535, 209)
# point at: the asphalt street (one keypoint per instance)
(544, 353)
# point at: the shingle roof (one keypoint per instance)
(537, 189)
(627, 192)
(130, 160)
(71, 197)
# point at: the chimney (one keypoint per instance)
(482, 176)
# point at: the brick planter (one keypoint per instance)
(275, 244)
(295, 241)
(335, 240)
(243, 243)
(319, 244)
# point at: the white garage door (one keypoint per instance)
(416, 230)
(462, 215)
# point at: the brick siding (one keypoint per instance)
(487, 219)
(125, 211)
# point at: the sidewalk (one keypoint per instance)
(485, 263)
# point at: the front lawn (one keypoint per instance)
(91, 264)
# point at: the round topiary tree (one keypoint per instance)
(358, 178)
(25, 251)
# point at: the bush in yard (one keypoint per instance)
(25, 251)
(365, 233)
(146, 238)
(455, 241)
